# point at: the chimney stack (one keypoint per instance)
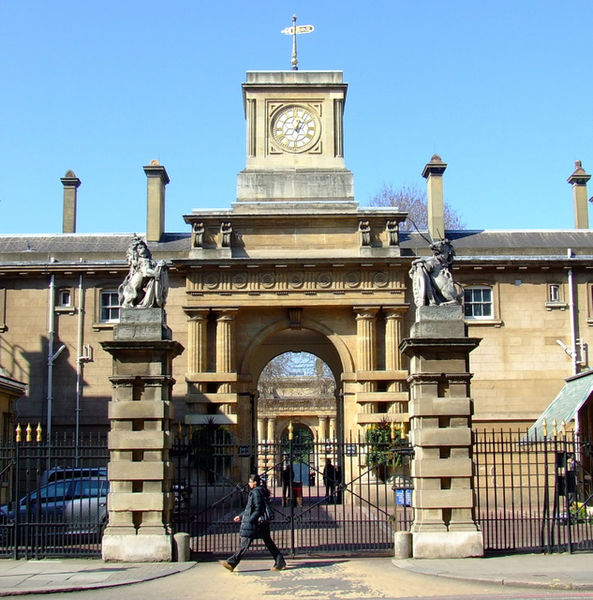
(70, 183)
(433, 173)
(157, 179)
(578, 180)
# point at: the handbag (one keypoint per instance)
(268, 514)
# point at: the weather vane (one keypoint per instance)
(294, 31)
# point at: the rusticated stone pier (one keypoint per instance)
(140, 414)
(440, 431)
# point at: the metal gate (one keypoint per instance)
(53, 496)
(353, 509)
(534, 494)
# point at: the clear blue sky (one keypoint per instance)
(502, 90)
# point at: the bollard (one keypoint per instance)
(402, 543)
(181, 547)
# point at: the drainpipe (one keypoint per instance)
(51, 355)
(573, 325)
(79, 363)
(50, 350)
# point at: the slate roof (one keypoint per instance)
(481, 245)
(493, 244)
(74, 247)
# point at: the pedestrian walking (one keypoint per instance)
(253, 527)
(287, 476)
(329, 480)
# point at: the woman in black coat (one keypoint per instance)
(251, 528)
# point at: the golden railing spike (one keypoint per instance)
(38, 431)
(554, 428)
(18, 431)
(393, 427)
(563, 427)
(179, 431)
(28, 431)
(290, 431)
(545, 428)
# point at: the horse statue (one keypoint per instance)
(147, 283)
(432, 281)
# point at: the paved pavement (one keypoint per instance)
(556, 571)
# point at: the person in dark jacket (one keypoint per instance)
(287, 476)
(329, 480)
(251, 528)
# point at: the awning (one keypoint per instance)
(565, 406)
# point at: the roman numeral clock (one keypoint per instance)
(295, 128)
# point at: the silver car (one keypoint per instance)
(68, 506)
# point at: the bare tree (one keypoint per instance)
(412, 199)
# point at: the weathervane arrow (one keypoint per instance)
(294, 31)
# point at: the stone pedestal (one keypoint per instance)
(140, 413)
(440, 412)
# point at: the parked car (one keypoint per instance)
(58, 473)
(76, 506)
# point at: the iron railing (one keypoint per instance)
(53, 495)
(533, 493)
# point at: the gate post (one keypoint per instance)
(440, 431)
(140, 414)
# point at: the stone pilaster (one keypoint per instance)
(440, 411)
(140, 413)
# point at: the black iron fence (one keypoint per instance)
(533, 494)
(327, 497)
(53, 495)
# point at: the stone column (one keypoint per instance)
(225, 345)
(366, 331)
(140, 413)
(394, 316)
(271, 428)
(197, 339)
(440, 412)
(332, 428)
(260, 430)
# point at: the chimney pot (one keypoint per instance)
(433, 173)
(71, 184)
(157, 179)
(578, 180)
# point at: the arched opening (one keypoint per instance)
(297, 390)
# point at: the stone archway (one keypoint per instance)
(296, 389)
(269, 417)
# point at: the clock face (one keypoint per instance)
(295, 128)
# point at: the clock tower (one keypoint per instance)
(295, 150)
